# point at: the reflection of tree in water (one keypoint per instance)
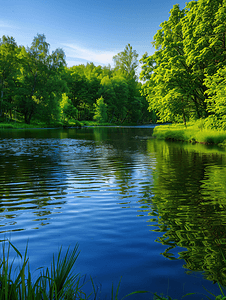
(114, 157)
(35, 171)
(27, 183)
(190, 202)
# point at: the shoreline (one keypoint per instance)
(192, 133)
(10, 126)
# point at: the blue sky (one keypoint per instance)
(87, 30)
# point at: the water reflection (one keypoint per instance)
(40, 168)
(29, 181)
(91, 181)
(190, 202)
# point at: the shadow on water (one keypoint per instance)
(189, 200)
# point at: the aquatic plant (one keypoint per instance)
(57, 283)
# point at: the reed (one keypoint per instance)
(57, 283)
(16, 283)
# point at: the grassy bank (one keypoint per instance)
(194, 132)
(57, 283)
(22, 125)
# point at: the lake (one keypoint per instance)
(151, 211)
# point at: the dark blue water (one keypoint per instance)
(149, 211)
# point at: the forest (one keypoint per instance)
(37, 85)
(185, 79)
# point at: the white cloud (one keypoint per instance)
(5, 24)
(91, 55)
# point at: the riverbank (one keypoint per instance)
(35, 125)
(78, 124)
(194, 132)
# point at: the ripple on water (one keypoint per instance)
(117, 197)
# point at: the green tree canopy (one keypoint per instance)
(40, 85)
(9, 65)
(190, 46)
(127, 62)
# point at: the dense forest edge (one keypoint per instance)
(182, 82)
(37, 87)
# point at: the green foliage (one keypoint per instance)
(184, 78)
(9, 65)
(58, 283)
(39, 83)
(107, 92)
(217, 98)
(68, 110)
(169, 84)
(100, 114)
(127, 62)
(34, 83)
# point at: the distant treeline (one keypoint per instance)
(186, 76)
(185, 79)
(37, 85)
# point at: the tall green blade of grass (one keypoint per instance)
(60, 283)
(63, 280)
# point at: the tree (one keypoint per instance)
(107, 92)
(121, 90)
(172, 87)
(78, 93)
(100, 111)
(216, 102)
(9, 65)
(127, 62)
(68, 110)
(204, 42)
(40, 84)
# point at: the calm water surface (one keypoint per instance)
(150, 211)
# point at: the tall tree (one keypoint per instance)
(40, 82)
(107, 92)
(127, 62)
(171, 86)
(9, 65)
(100, 111)
(216, 102)
(78, 90)
(121, 90)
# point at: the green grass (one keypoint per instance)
(22, 125)
(60, 282)
(66, 124)
(94, 123)
(57, 283)
(193, 132)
